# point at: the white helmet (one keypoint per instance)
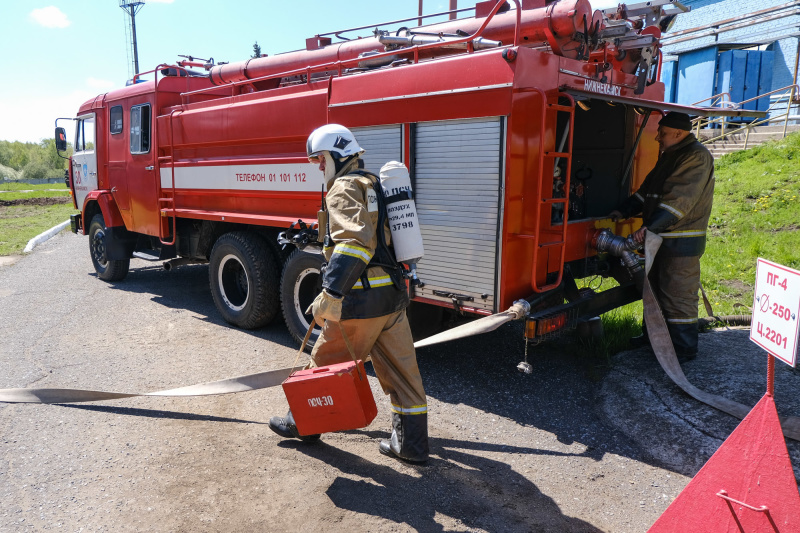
(334, 138)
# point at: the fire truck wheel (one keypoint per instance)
(300, 284)
(243, 273)
(106, 270)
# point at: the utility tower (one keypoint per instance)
(131, 7)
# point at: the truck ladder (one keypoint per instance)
(166, 197)
(551, 238)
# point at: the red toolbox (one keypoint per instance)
(330, 398)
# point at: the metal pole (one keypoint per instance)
(453, 7)
(135, 48)
(791, 93)
(419, 21)
(788, 110)
(628, 167)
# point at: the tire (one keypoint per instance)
(301, 282)
(106, 270)
(243, 274)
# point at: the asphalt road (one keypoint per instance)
(569, 448)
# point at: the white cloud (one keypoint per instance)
(96, 83)
(31, 117)
(50, 17)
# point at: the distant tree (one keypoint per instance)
(50, 155)
(20, 155)
(8, 173)
(36, 169)
(31, 160)
(256, 50)
(5, 153)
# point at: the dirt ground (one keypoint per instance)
(49, 200)
(554, 451)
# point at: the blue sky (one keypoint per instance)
(56, 54)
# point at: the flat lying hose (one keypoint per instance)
(476, 327)
(262, 380)
(665, 352)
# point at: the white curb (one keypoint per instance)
(42, 237)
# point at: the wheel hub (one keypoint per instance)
(99, 247)
(305, 290)
(233, 282)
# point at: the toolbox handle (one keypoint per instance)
(346, 342)
(350, 349)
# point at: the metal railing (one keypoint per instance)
(719, 100)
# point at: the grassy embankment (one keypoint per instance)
(20, 223)
(755, 214)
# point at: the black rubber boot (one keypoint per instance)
(684, 339)
(285, 427)
(409, 438)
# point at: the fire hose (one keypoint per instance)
(665, 352)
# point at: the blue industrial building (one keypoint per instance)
(745, 48)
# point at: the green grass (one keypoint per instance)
(32, 194)
(755, 215)
(19, 224)
(18, 186)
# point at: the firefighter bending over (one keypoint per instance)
(363, 288)
(675, 202)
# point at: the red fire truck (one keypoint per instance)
(522, 127)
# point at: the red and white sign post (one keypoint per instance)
(776, 310)
(748, 484)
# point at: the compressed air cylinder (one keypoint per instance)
(402, 212)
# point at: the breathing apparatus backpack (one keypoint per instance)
(395, 204)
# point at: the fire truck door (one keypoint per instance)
(84, 160)
(117, 163)
(141, 172)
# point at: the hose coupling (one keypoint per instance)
(520, 309)
(605, 241)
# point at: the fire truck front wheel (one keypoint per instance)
(300, 284)
(243, 273)
(107, 270)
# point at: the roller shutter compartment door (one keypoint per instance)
(457, 183)
(382, 144)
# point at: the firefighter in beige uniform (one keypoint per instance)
(364, 290)
(675, 202)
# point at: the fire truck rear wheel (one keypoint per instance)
(243, 273)
(300, 284)
(114, 270)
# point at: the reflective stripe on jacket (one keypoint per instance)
(352, 223)
(675, 198)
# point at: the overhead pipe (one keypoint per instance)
(555, 24)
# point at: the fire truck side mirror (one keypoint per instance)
(61, 140)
